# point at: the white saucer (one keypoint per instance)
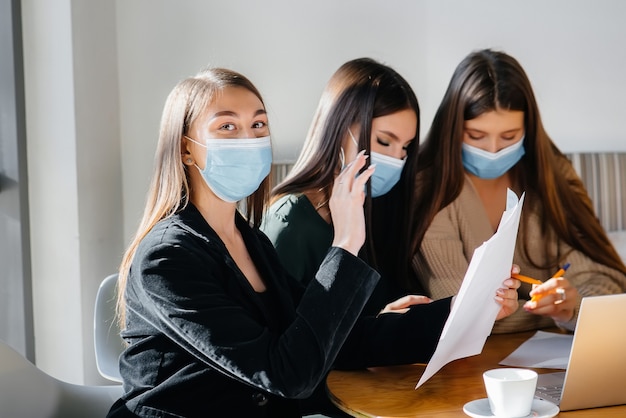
(541, 409)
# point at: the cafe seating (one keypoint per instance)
(26, 391)
(108, 343)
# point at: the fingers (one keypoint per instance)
(507, 297)
(349, 179)
(410, 300)
(361, 179)
(418, 299)
(509, 291)
(512, 283)
(403, 304)
(346, 205)
(551, 287)
(505, 293)
(389, 309)
(555, 298)
(509, 306)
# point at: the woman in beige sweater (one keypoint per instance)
(487, 136)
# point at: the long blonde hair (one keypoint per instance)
(169, 188)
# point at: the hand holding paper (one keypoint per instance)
(474, 311)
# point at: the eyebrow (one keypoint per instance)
(504, 132)
(391, 134)
(231, 113)
(395, 137)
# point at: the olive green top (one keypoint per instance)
(301, 237)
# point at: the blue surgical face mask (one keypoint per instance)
(387, 173)
(235, 168)
(491, 165)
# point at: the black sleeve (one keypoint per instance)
(392, 339)
(178, 291)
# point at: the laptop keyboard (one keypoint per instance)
(553, 392)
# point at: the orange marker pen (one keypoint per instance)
(558, 274)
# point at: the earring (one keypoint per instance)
(189, 161)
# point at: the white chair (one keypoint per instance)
(107, 341)
(27, 392)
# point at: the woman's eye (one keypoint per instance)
(258, 125)
(509, 138)
(381, 142)
(228, 127)
(475, 137)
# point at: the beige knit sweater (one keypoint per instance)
(463, 226)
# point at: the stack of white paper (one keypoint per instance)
(474, 311)
(543, 350)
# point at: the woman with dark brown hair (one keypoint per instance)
(367, 106)
(487, 137)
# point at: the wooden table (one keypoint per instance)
(390, 391)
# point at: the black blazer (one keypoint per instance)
(203, 343)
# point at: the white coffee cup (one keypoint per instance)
(510, 391)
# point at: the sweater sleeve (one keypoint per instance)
(443, 263)
(591, 279)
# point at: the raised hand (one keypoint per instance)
(346, 205)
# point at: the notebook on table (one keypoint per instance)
(596, 370)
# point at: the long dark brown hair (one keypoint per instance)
(359, 91)
(489, 80)
(168, 192)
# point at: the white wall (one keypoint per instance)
(75, 185)
(99, 71)
(287, 48)
(571, 49)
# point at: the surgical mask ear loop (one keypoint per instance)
(189, 160)
(356, 143)
(342, 156)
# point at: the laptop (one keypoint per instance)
(596, 371)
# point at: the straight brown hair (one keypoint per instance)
(488, 80)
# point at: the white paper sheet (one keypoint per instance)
(474, 311)
(543, 350)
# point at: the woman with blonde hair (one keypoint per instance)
(213, 323)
